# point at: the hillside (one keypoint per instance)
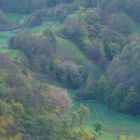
(69, 70)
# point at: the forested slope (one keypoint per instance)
(87, 46)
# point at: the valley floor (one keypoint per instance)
(114, 122)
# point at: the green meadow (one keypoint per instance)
(114, 122)
(15, 17)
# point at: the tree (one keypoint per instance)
(5, 24)
(87, 134)
(75, 117)
(120, 23)
(122, 66)
(98, 127)
(83, 112)
(69, 74)
(131, 102)
(132, 8)
(118, 95)
(103, 87)
(122, 137)
(5, 123)
(114, 49)
(90, 89)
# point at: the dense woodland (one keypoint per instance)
(34, 102)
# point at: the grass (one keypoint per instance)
(43, 26)
(106, 136)
(11, 53)
(15, 17)
(136, 27)
(115, 123)
(4, 37)
(14, 55)
(67, 50)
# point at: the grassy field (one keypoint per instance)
(15, 17)
(136, 27)
(69, 51)
(106, 136)
(43, 26)
(4, 37)
(115, 123)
